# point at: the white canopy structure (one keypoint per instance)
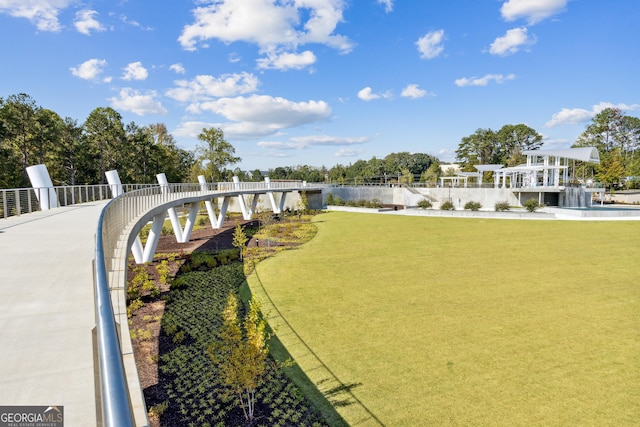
(544, 168)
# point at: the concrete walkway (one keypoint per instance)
(47, 310)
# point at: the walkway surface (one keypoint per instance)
(47, 310)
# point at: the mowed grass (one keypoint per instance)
(445, 321)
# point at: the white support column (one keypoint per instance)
(153, 238)
(254, 204)
(272, 199)
(173, 216)
(243, 205)
(223, 211)
(191, 221)
(282, 200)
(113, 179)
(43, 187)
(207, 203)
(545, 173)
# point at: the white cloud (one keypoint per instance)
(279, 145)
(367, 94)
(258, 116)
(511, 42)
(533, 11)
(141, 104)
(485, 80)
(43, 13)
(89, 70)
(348, 152)
(177, 68)
(273, 26)
(135, 71)
(388, 5)
(205, 87)
(304, 142)
(413, 91)
(273, 111)
(325, 140)
(191, 129)
(430, 45)
(285, 61)
(277, 28)
(571, 116)
(134, 23)
(85, 22)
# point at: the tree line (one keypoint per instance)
(80, 153)
(77, 153)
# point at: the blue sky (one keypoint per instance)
(321, 82)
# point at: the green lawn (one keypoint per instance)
(443, 321)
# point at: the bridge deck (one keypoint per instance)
(47, 310)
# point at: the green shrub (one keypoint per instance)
(531, 205)
(334, 200)
(424, 204)
(133, 306)
(472, 206)
(164, 271)
(374, 203)
(179, 337)
(502, 206)
(178, 283)
(447, 206)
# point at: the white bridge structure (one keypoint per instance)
(64, 337)
(52, 351)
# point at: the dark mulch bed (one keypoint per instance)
(148, 317)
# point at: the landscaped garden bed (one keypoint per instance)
(175, 315)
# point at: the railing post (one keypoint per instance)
(18, 208)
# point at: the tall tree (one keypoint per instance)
(513, 140)
(215, 154)
(479, 148)
(18, 117)
(105, 133)
(69, 153)
(617, 138)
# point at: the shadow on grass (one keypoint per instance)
(340, 395)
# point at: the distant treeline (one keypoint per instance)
(80, 153)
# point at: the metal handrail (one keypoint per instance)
(19, 201)
(119, 217)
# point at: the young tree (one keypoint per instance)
(239, 239)
(241, 355)
(216, 152)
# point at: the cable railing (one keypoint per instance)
(19, 201)
(116, 223)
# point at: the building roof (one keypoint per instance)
(487, 168)
(584, 154)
